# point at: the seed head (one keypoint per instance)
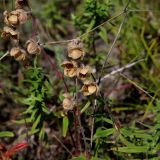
(70, 68)
(75, 49)
(33, 47)
(89, 88)
(18, 53)
(19, 4)
(10, 32)
(68, 102)
(83, 72)
(15, 17)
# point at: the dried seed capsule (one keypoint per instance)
(70, 68)
(89, 88)
(15, 17)
(9, 32)
(22, 16)
(83, 72)
(19, 4)
(18, 53)
(33, 47)
(75, 49)
(68, 102)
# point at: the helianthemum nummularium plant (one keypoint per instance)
(74, 68)
(13, 20)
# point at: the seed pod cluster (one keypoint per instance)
(75, 67)
(13, 19)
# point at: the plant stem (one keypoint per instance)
(6, 54)
(62, 144)
(111, 48)
(92, 124)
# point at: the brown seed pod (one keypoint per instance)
(70, 68)
(68, 102)
(15, 17)
(83, 72)
(33, 47)
(89, 88)
(22, 16)
(9, 32)
(75, 49)
(19, 4)
(18, 53)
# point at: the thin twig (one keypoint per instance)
(82, 132)
(92, 124)
(110, 50)
(57, 42)
(62, 144)
(137, 86)
(70, 40)
(121, 69)
(79, 118)
(109, 20)
(6, 54)
(143, 10)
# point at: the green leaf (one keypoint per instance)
(22, 121)
(79, 158)
(104, 133)
(126, 132)
(6, 134)
(45, 109)
(125, 141)
(85, 107)
(35, 124)
(133, 149)
(103, 119)
(65, 125)
(103, 34)
(92, 23)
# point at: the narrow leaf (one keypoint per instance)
(104, 133)
(133, 149)
(65, 125)
(85, 107)
(6, 134)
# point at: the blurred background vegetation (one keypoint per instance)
(127, 121)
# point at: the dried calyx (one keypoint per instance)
(75, 49)
(16, 17)
(10, 32)
(33, 47)
(68, 102)
(18, 53)
(19, 4)
(89, 88)
(83, 72)
(70, 68)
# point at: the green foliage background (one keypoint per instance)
(127, 120)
